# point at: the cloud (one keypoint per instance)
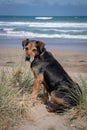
(43, 2)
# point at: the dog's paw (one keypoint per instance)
(51, 107)
(33, 100)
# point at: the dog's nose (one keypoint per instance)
(27, 58)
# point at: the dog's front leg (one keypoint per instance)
(45, 94)
(37, 83)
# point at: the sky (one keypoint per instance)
(43, 7)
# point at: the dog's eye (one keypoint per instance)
(34, 50)
(26, 49)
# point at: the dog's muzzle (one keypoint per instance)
(27, 58)
(30, 59)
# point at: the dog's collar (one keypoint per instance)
(42, 54)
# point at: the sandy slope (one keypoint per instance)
(43, 120)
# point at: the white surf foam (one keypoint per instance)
(8, 29)
(44, 18)
(45, 24)
(38, 35)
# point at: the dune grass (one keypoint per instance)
(14, 101)
(77, 116)
(83, 100)
(80, 97)
(22, 78)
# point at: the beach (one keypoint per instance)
(73, 61)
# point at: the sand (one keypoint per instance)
(74, 62)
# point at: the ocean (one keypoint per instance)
(63, 32)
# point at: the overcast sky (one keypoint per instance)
(44, 7)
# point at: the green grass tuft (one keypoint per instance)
(83, 99)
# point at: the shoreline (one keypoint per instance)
(64, 44)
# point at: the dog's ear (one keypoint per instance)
(40, 46)
(25, 42)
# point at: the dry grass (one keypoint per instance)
(14, 102)
(83, 100)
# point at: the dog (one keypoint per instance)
(64, 92)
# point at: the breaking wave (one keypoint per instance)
(44, 18)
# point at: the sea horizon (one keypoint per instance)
(63, 32)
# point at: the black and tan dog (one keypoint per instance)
(64, 92)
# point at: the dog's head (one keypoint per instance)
(33, 48)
